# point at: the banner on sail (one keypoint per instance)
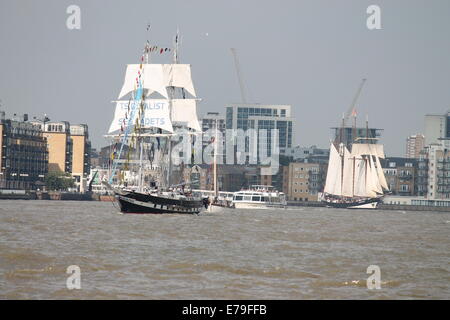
(156, 115)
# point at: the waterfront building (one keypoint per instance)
(302, 181)
(436, 127)
(95, 158)
(414, 145)
(313, 153)
(416, 201)
(209, 120)
(258, 116)
(59, 144)
(105, 157)
(81, 151)
(23, 154)
(401, 175)
(439, 170)
(69, 149)
(422, 173)
(350, 134)
(229, 177)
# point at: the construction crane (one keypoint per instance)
(352, 109)
(238, 72)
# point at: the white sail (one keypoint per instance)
(381, 176)
(156, 77)
(334, 174)
(360, 149)
(185, 111)
(374, 180)
(178, 75)
(156, 115)
(348, 178)
(360, 178)
(153, 79)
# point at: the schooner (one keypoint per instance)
(355, 178)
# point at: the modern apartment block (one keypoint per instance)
(401, 175)
(302, 181)
(23, 154)
(269, 117)
(422, 173)
(439, 170)
(414, 145)
(437, 126)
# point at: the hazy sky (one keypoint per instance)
(309, 54)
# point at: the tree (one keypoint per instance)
(59, 181)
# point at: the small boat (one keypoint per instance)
(259, 197)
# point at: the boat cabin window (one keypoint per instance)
(238, 198)
(256, 198)
(247, 198)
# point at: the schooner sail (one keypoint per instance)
(158, 104)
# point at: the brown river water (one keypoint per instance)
(301, 253)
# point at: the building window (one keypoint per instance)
(404, 188)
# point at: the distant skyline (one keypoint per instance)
(311, 55)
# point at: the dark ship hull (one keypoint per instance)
(141, 203)
(370, 203)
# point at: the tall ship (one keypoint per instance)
(156, 104)
(355, 178)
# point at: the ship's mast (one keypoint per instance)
(171, 96)
(145, 60)
(367, 142)
(342, 153)
(215, 162)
